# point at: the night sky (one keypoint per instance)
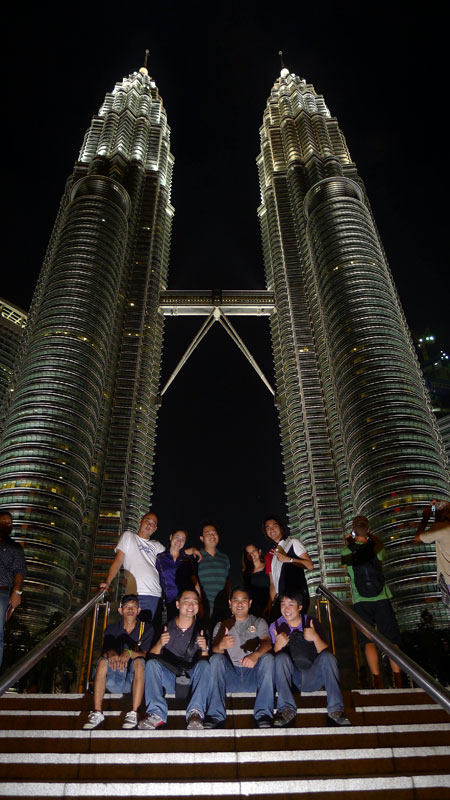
(382, 74)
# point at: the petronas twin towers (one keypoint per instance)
(357, 431)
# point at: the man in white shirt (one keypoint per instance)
(137, 555)
(439, 533)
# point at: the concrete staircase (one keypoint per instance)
(398, 747)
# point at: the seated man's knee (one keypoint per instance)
(328, 661)
(282, 660)
(138, 665)
(266, 662)
(217, 661)
(102, 666)
(152, 667)
(328, 657)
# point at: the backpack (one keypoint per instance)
(300, 650)
(368, 577)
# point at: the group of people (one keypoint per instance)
(258, 637)
(183, 630)
(243, 654)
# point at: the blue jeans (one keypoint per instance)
(225, 677)
(148, 604)
(323, 671)
(4, 602)
(159, 680)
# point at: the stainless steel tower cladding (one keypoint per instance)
(76, 455)
(358, 434)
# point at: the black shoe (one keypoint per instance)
(338, 718)
(284, 717)
(210, 723)
(263, 722)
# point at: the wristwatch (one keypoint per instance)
(17, 591)
(291, 560)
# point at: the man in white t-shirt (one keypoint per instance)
(439, 533)
(137, 555)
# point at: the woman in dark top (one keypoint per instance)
(255, 579)
(177, 571)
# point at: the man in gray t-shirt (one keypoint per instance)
(241, 662)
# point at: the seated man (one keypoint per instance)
(178, 660)
(242, 662)
(121, 666)
(302, 658)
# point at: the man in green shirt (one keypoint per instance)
(213, 575)
(362, 556)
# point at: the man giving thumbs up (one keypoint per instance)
(302, 658)
(178, 662)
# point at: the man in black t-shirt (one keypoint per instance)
(303, 659)
(121, 666)
(178, 660)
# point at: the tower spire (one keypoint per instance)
(144, 70)
(284, 70)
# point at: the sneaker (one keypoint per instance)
(339, 718)
(284, 717)
(130, 721)
(95, 719)
(213, 722)
(263, 722)
(150, 722)
(194, 721)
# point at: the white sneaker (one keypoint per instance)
(151, 722)
(95, 719)
(130, 721)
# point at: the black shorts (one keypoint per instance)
(379, 614)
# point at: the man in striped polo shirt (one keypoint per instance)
(213, 574)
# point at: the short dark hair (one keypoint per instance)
(129, 598)
(360, 525)
(296, 595)
(183, 591)
(239, 588)
(208, 522)
(278, 521)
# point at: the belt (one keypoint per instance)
(4, 587)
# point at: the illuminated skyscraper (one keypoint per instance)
(77, 447)
(357, 431)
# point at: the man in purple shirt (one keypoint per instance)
(302, 658)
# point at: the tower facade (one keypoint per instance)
(358, 434)
(76, 454)
(12, 322)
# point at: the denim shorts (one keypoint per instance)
(118, 682)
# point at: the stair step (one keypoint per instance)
(123, 766)
(165, 740)
(417, 787)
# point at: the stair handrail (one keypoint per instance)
(27, 662)
(420, 676)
